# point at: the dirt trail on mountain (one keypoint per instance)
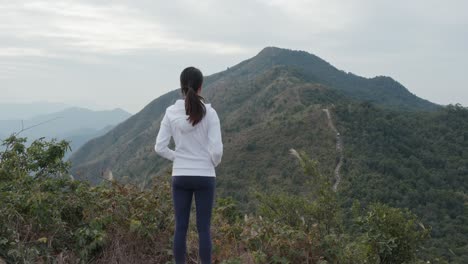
(339, 148)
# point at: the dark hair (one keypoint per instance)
(191, 79)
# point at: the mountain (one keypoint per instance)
(18, 111)
(258, 94)
(78, 125)
(381, 89)
(247, 107)
(397, 148)
(80, 137)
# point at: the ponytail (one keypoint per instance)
(191, 80)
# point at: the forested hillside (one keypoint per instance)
(415, 160)
(272, 102)
(261, 121)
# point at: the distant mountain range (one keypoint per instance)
(398, 148)
(21, 111)
(77, 125)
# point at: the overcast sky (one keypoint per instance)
(124, 54)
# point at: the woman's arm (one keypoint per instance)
(163, 139)
(215, 146)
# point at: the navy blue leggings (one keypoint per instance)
(183, 188)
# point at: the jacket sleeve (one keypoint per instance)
(215, 144)
(163, 139)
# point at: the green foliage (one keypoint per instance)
(415, 160)
(40, 159)
(391, 235)
(290, 228)
(47, 215)
(320, 204)
(52, 218)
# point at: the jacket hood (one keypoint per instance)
(180, 119)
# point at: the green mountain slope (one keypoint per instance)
(276, 85)
(417, 160)
(253, 112)
(381, 89)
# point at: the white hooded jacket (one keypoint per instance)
(198, 149)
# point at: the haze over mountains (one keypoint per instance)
(77, 125)
(399, 149)
(18, 111)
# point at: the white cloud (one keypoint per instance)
(320, 16)
(67, 26)
(22, 52)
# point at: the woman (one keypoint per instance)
(196, 130)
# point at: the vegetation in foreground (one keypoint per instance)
(47, 217)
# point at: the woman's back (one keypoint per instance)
(198, 147)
